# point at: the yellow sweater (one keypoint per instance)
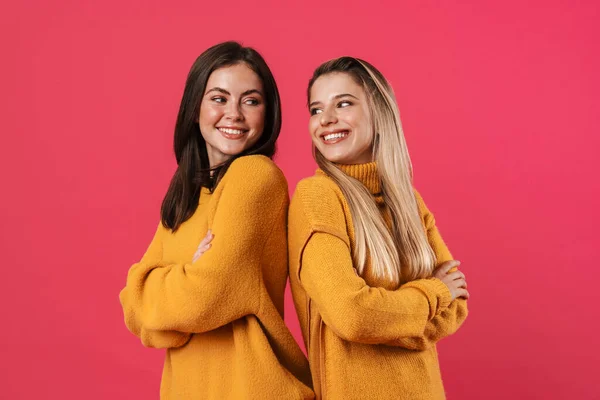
(221, 318)
(366, 339)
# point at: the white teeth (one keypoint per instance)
(231, 131)
(332, 136)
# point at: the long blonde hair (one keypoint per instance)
(402, 253)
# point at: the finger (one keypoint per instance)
(447, 266)
(205, 248)
(456, 275)
(202, 250)
(203, 242)
(206, 239)
(458, 293)
(440, 274)
(197, 255)
(209, 237)
(459, 283)
(441, 271)
(462, 293)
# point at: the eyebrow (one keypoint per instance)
(335, 98)
(247, 92)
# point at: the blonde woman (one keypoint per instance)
(374, 284)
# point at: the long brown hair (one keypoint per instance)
(193, 168)
(401, 253)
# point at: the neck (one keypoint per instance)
(215, 157)
(365, 173)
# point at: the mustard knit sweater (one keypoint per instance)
(221, 318)
(366, 338)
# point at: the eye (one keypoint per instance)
(219, 99)
(251, 102)
(344, 103)
(315, 111)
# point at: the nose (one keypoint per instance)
(327, 117)
(234, 112)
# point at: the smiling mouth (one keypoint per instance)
(233, 131)
(335, 137)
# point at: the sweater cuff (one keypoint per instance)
(437, 293)
(443, 294)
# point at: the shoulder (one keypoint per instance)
(256, 171)
(317, 187)
(420, 202)
(320, 201)
(426, 215)
(419, 199)
(258, 165)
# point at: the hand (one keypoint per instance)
(456, 281)
(203, 246)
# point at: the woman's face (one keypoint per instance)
(339, 123)
(232, 112)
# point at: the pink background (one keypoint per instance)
(501, 111)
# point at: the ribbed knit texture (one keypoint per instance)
(364, 340)
(365, 173)
(221, 318)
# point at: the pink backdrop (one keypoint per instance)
(501, 111)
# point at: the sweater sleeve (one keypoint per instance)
(150, 338)
(225, 283)
(357, 312)
(450, 319)
(352, 309)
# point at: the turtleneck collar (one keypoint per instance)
(366, 174)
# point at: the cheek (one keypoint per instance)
(364, 142)
(313, 126)
(362, 125)
(209, 115)
(362, 133)
(366, 133)
(256, 119)
(354, 120)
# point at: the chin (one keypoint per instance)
(232, 150)
(334, 157)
